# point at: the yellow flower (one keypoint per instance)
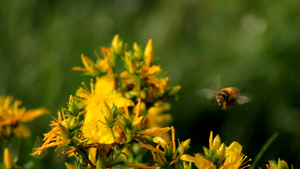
(153, 79)
(234, 157)
(105, 63)
(96, 127)
(12, 116)
(94, 69)
(89, 66)
(220, 156)
(97, 106)
(58, 136)
(103, 91)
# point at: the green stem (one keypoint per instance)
(263, 149)
(112, 132)
(84, 155)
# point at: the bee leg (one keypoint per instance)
(224, 106)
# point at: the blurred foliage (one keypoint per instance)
(252, 45)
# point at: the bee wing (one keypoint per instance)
(242, 99)
(208, 93)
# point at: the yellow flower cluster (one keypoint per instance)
(121, 117)
(117, 116)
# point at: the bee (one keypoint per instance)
(226, 97)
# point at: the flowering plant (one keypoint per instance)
(121, 119)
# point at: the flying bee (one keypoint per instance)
(226, 97)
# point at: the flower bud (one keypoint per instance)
(132, 66)
(148, 54)
(216, 143)
(64, 131)
(70, 166)
(73, 106)
(155, 131)
(206, 152)
(137, 122)
(117, 45)
(186, 144)
(100, 164)
(72, 122)
(137, 51)
(174, 90)
(8, 159)
(221, 153)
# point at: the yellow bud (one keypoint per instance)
(210, 139)
(185, 165)
(143, 110)
(206, 151)
(216, 143)
(70, 166)
(117, 45)
(221, 152)
(148, 54)
(186, 144)
(132, 66)
(130, 94)
(137, 51)
(72, 122)
(174, 90)
(155, 131)
(8, 159)
(64, 131)
(143, 94)
(92, 155)
(137, 122)
(115, 41)
(73, 106)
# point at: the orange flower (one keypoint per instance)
(58, 136)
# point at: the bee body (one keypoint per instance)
(227, 97)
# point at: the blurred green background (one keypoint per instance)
(252, 45)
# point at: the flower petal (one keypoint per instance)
(105, 85)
